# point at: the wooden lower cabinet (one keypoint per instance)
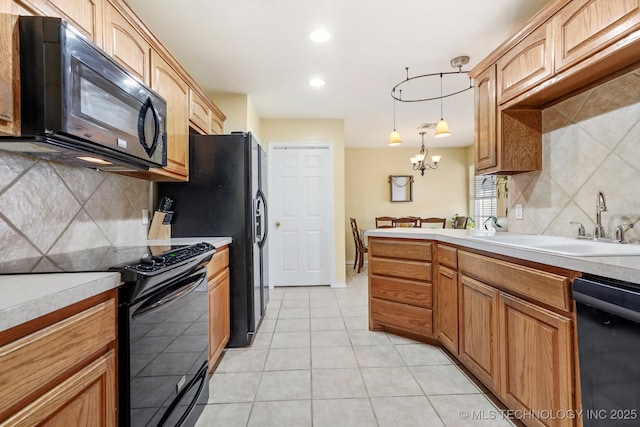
(447, 308)
(479, 337)
(88, 398)
(219, 304)
(61, 370)
(400, 288)
(219, 319)
(536, 354)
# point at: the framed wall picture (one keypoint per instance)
(401, 188)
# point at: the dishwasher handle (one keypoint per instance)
(609, 296)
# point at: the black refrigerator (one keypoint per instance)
(225, 196)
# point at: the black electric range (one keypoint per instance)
(162, 325)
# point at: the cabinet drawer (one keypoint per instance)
(404, 291)
(405, 269)
(219, 262)
(418, 250)
(34, 361)
(402, 316)
(548, 288)
(446, 255)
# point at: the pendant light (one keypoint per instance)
(394, 137)
(442, 128)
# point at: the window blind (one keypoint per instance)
(485, 199)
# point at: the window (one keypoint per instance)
(485, 199)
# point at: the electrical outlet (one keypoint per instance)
(519, 214)
(145, 216)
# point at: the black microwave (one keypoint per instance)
(80, 106)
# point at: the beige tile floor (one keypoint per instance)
(315, 363)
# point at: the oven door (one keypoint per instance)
(106, 105)
(163, 351)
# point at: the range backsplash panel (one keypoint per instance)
(48, 207)
(591, 143)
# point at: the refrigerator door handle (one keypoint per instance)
(265, 219)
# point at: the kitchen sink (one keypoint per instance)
(561, 245)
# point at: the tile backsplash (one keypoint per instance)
(48, 207)
(591, 143)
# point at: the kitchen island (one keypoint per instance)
(505, 311)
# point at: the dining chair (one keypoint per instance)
(384, 221)
(427, 221)
(361, 248)
(407, 221)
(460, 222)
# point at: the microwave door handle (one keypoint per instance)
(147, 107)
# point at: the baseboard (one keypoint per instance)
(339, 285)
(350, 263)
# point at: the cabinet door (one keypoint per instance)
(447, 308)
(84, 15)
(479, 330)
(219, 316)
(584, 27)
(537, 360)
(527, 64)
(199, 114)
(9, 73)
(485, 120)
(87, 398)
(125, 44)
(168, 83)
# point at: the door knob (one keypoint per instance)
(277, 223)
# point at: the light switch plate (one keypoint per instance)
(519, 213)
(145, 216)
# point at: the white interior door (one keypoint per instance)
(300, 214)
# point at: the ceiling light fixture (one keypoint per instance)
(320, 36)
(316, 82)
(418, 161)
(394, 137)
(442, 129)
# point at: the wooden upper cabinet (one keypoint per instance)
(528, 64)
(199, 113)
(485, 120)
(125, 43)
(84, 15)
(584, 27)
(9, 72)
(170, 85)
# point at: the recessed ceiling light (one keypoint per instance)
(316, 82)
(320, 36)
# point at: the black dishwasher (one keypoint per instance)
(608, 320)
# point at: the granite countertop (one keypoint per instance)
(24, 297)
(625, 268)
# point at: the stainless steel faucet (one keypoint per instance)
(601, 206)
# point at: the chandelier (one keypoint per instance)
(442, 128)
(419, 160)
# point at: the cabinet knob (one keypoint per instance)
(277, 223)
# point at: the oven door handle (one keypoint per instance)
(170, 295)
(199, 379)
